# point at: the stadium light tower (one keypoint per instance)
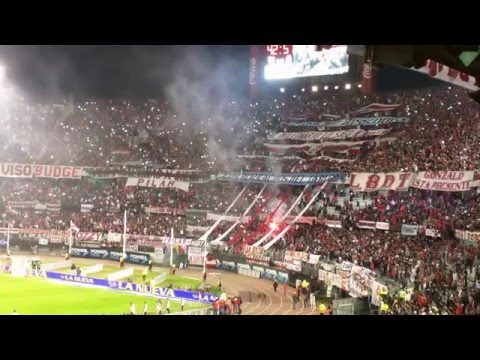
(282, 90)
(348, 86)
(314, 88)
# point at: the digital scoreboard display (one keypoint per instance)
(295, 61)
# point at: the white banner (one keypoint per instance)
(164, 210)
(154, 183)
(330, 135)
(364, 224)
(409, 230)
(195, 255)
(432, 232)
(193, 228)
(333, 223)
(444, 73)
(468, 235)
(382, 225)
(313, 259)
(228, 218)
(373, 121)
(380, 181)
(443, 180)
(88, 236)
(40, 171)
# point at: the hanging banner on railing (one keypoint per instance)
(409, 230)
(285, 179)
(380, 181)
(154, 183)
(40, 171)
(227, 218)
(333, 223)
(443, 180)
(382, 225)
(467, 235)
(373, 121)
(330, 135)
(432, 233)
(364, 224)
(164, 210)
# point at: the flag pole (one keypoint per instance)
(205, 257)
(8, 237)
(124, 232)
(171, 247)
(70, 238)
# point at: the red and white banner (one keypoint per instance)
(158, 184)
(382, 225)
(443, 180)
(253, 250)
(329, 135)
(195, 255)
(304, 219)
(375, 107)
(364, 224)
(444, 73)
(88, 236)
(300, 256)
(21, 204)
(40, 171)
(164, 210)
(380, 181)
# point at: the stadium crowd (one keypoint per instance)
(118, 139)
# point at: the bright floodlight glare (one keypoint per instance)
(303, 89)
(282, 90)
(348, 86)
(336, 87)
(325, 87)
(314, 88)
(359, 86)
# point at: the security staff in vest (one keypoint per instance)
(322, 308)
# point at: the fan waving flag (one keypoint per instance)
(73, 227)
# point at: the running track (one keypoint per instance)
(264, 301)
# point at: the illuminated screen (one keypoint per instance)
(292, 61)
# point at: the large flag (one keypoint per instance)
(375, 107)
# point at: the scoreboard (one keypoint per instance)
(284, 62)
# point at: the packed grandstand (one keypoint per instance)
(375, 195)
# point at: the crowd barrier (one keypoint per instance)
(136, 288)
(107, 254)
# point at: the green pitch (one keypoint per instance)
(39, 296)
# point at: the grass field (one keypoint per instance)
(107, 270)
(178, 281)
(39, 296)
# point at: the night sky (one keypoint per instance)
(139, 71)
(111, 70)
